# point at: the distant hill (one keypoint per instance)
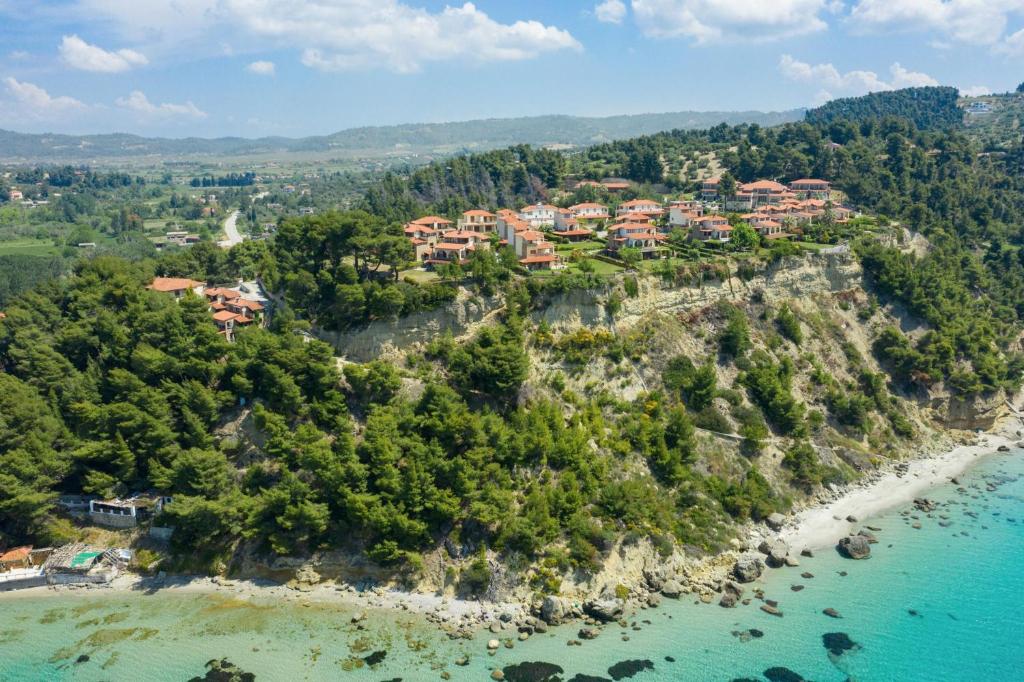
(928, 107)
(379, 141)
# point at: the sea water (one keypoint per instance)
(939, 602)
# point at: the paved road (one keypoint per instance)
(231, 230)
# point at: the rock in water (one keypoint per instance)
(603, 609)
(624, 669)
(588, 633)
(865, 533)
(533, 671)
(672, 589)
(838, 643)
(224, 671)
(375, 658)
(771, 610)
(775, 521)
(780, 674)
(855, 547)
(728, 600)
(831, 613)
(748, 570)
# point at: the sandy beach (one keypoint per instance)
(822, 525)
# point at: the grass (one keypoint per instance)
(28, 247)
(419, 276)
(581, 246)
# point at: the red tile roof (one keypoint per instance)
(539, 259)
(169, 284)
(431, 219)
(16, 554)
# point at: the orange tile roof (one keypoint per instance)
(531, 234)
(478, 212)
(587, 204)
(809, 181)
(169, 284)
(763, 184)
(16, 554)
(431, 219)
(539, 259)
(540, 207)
(224, 316)
(573, 233)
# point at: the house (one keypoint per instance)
(18, 557)
(539, 215)
(762, 192)
(177, 286)
(589, 211)
(15, 195)
(446, 252)
(535, 253)
(694, 206)
(709, 189)
(681, 217)
(635, 236)
(127, 513)
(477, 220)
(634, 218)
(648, 207)
(433, 222)
(810, 188)
(711, 228)
(423, 237)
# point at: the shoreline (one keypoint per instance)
(821, 525)
(817, 526)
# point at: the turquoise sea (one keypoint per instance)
(942, 602)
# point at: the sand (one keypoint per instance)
(821, 526)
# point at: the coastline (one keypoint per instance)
(817, 526)
(821, 525)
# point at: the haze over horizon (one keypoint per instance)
(254, 68)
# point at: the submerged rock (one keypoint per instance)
(224, 671)
(533, 671)
(867, 534)
(771, 610)
(838, 643)
(855, 547)
(781, 674)
(625, 669)
(831, 613)
(375, 658)
(588, 678)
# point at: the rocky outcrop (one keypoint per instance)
(855, 547)
(776, 550)
(604, 610)
(557, 610)
(748, 570)
(775, 521)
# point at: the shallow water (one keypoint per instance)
(936, 603)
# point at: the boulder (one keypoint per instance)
(775, 521)
(747, 570)
(655, 578)
(728, 600)
(851, 518)
(855, 547)
(1003, 448)
(672, 589)
(831, 613)
(556, 610)
(654, 600)
(603, 609)
(777, 551)
(865, 533)
(792, 561)
(493, 644)
(771, 610)
(588, 633)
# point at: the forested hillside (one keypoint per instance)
(547, 441)
(928, 108)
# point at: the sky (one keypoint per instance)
(254, 68)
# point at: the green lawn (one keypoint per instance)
(419, 276)
(28, 247)
(581, 246)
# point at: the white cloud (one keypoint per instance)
(79, 54)
(261, 68)
(979, 22)
(138, 102)
(975, 91)
(333, 34)
(835, 83)
(711, 21)
(1013, 45)
(32, 101)
(611, 11)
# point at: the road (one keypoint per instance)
(231, 230)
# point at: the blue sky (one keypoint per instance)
(301, 67)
